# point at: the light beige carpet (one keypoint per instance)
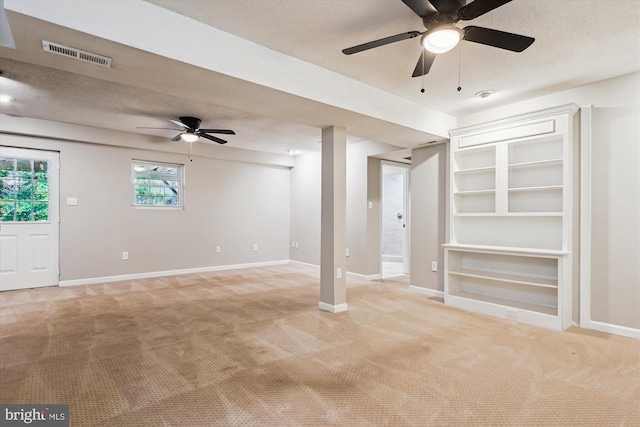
(250, 347)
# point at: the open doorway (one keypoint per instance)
(395, 219)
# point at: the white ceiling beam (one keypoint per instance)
(144, 26)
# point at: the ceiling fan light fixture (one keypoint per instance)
(189, 137)
(442, 39)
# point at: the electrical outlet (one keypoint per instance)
(434, 266)
(255, 246)
(217, 249)
(339, 273)
(125, 256)
(72, 201)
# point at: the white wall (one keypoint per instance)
(363, 224)
(230, 204)
(305, 208)
(615, 250)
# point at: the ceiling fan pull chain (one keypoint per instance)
(459, 65)
(422, 90)
(190, 151)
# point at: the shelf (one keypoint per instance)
(536, 163)
(506, 250)
(552, 311)
(510, 214)
(510, 278)
(476, 170)
(541, 188)
(475, 192)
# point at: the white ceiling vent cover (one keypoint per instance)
(80, 55)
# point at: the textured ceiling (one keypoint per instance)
(577, 42)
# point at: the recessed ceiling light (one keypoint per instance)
(6, 98)
(484, 94)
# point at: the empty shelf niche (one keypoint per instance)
(520, 281)
(476, 158)
(534, 232)
(539, 200)
(475, 202)
(535, 150)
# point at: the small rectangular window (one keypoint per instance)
(157, 184)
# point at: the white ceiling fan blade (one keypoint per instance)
(6, 37)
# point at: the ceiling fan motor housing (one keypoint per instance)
(439, 19)
(192, 122)
(448, 5)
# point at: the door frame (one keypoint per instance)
(406, 205)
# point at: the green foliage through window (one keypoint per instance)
(157, 184)
(24, 190)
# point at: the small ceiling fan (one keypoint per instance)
(439, 18)
(190, 131)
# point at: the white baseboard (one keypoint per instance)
(426, 291)
(134, 276)
(363, 276)
(305, 265)
(349, 273)
(333, 308)
(625, 331)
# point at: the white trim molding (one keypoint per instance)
(351, 275)
(585, 216)
(313, 267)
(610, 328)
(585, 233)
(339, 308)
(358, 276)
(135, 276)
(426, 291)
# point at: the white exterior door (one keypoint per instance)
(29, 218)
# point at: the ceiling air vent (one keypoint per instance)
(80, 55)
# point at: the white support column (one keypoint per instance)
(333, 292)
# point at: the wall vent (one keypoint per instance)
(80, 55)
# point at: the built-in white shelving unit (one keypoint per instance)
(511, 218)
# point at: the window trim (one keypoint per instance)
(181, 185)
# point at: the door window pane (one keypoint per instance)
(24, 190)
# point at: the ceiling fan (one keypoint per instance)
(190, 131)
(439, 18)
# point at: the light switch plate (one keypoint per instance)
(72, 201)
